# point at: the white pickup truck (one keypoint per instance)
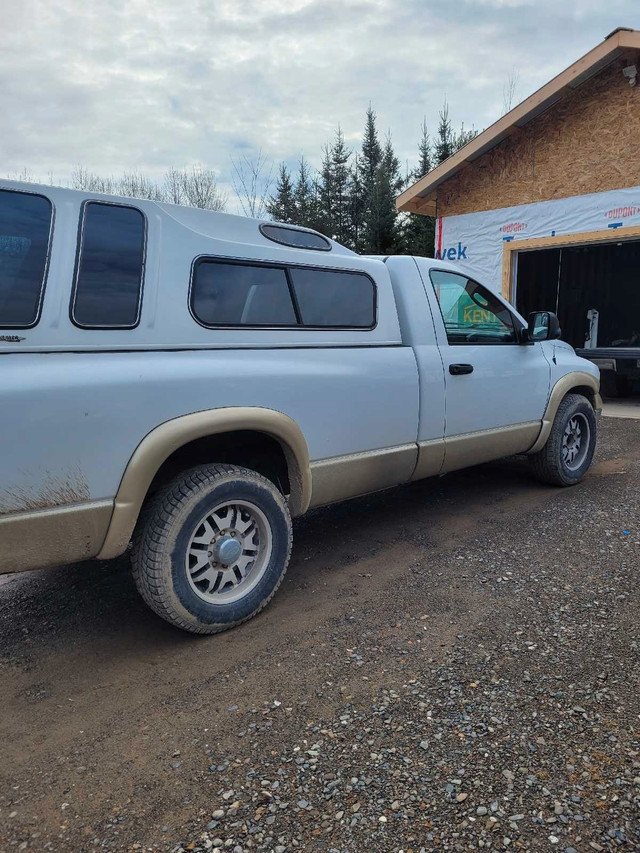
(188, 381)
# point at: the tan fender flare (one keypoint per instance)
(156, 447)
(570, 382)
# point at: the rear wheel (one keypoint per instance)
(212, 548)
(567, 455)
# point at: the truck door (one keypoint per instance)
(496, 389)
(418, 332)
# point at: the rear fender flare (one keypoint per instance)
(156, 447)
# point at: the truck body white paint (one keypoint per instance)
(77, 402)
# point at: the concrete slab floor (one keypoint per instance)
(626, 408)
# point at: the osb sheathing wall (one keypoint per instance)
(588, 142)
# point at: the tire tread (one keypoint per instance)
(546, 464)
(154, 526)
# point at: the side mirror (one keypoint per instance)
(543, 326)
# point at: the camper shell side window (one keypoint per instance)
(231, 293)
(107, 290)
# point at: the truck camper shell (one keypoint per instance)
(175, 240)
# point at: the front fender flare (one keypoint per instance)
(156, 447)
(564, 385)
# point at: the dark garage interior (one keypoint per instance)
(572, 281)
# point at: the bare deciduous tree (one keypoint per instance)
(135, 185)
(252, 182)
(83, 179)
(172, 187)
(200, 189)
(25, 175)
(195, 187)
(509, 89)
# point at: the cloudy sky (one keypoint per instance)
(148, 84)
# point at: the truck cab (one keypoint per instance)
(484, 385)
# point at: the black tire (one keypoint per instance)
(164, 536)
(549, 465)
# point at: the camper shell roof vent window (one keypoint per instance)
(298, 238)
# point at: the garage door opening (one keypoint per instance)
(595, 291)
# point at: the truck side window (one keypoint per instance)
(334, 298)
(25, 228)
(237, 294)
(109, 268)
(471, 313)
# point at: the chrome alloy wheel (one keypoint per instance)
(228, 552)
(575, 441)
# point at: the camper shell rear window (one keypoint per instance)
(25, 234)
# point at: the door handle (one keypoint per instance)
(460, 369)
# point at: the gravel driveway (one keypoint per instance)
(452, 665)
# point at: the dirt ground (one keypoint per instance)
(120, 732)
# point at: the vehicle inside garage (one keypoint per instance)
(595, 291)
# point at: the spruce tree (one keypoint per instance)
(352, 199)
(445, 141)
(420, 230)
(340, 157)
(325, 192)
(463, 137)
(356, 206)
(371, 149)
(389, 182)
(334, 202)
(281, 206)
(369, 164)
(425, 163)
(305, 197)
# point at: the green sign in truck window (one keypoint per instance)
(471, 313)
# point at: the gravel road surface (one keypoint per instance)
(453, 665)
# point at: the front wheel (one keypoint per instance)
(567, 455)
(212, 548)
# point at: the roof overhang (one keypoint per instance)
(421, 196)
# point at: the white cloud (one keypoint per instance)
(146, 84)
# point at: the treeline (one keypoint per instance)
(352, 197)
(194, 187)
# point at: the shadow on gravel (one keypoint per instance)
(98, 599)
